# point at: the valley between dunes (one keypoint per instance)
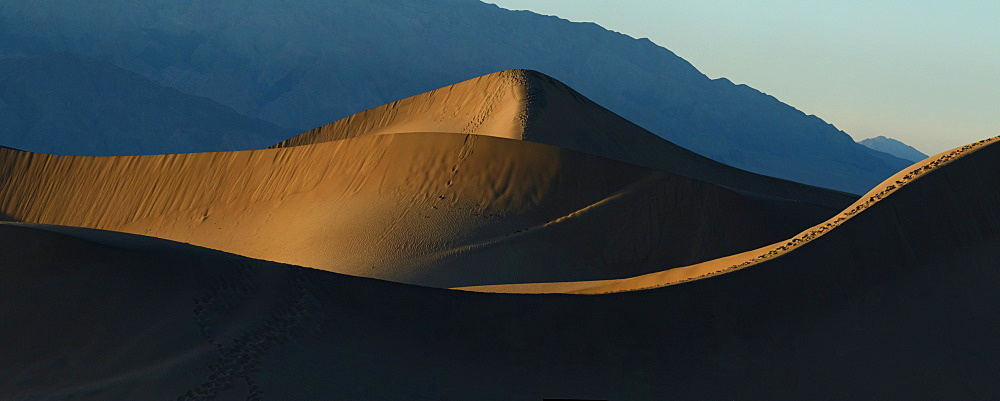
(441, 246)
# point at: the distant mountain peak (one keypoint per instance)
(894, 147)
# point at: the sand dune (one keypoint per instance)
(898, 301)
(930, 208)
(432, 209)
(486, 201)
(531, 106)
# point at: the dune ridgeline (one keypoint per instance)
(465, 224)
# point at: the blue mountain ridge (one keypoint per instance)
(306, 63)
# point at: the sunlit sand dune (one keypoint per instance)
(486, 201)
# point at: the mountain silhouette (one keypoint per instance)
(306, 63)
(894, 147)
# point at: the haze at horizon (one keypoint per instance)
(921, 72)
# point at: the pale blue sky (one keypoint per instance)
(924, 72)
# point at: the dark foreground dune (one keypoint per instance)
(908, 310)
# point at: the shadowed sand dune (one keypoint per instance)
(898, 301)
(531, 106)
(432, 209)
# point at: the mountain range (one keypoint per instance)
(303, 64)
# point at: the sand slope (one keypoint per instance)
(898, 301)
(531, 106)
(432, 209)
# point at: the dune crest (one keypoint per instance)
(493, 105)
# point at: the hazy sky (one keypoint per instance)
(924, 72)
